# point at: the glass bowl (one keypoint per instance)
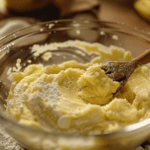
(17, 45)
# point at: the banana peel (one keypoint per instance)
(143, 8)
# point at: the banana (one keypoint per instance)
(23, 5)
(143, 8)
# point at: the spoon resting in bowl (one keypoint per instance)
(121, 71)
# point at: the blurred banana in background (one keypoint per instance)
(143, 8)
(23, 5)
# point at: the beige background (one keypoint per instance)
(122, 11)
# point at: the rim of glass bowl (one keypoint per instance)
(20, 33)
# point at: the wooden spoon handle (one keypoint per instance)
(144, 58)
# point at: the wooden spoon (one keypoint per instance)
(121, 71)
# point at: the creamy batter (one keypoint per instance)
(76, 98)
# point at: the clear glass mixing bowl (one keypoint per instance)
(17, 45)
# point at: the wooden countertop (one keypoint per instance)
(122, 11)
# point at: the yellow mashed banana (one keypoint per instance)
(73, 97)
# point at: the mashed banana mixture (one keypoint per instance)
(73, 97)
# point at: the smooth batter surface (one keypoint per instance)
(77, 98)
